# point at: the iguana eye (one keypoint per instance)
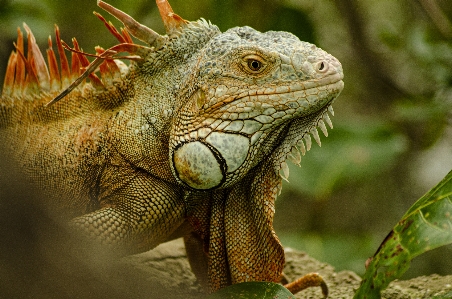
(254, 64)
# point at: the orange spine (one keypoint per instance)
(55, 81)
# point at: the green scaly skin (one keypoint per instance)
(191, 139)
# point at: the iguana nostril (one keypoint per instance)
(322, 66)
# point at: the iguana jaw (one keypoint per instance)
(219, 151)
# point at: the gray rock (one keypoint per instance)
(168, 265)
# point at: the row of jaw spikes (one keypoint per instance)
(303, 143)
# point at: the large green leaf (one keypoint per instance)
(245, 290)
(425, 226)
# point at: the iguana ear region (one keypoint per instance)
(199, 166)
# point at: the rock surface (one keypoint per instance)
(168, 265)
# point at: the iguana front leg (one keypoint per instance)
(138, 211)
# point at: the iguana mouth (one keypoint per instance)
(332, 82)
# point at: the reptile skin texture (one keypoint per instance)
(187, 135)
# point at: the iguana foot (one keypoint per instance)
(307, 281)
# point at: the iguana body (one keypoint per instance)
(190, 138)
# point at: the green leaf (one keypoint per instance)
(425, 226)
(246, 290)
(444, 296)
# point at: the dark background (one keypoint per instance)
(392, 136)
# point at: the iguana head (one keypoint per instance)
(251, 90)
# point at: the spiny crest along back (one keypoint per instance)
(29, 74)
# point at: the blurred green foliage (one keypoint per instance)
(392, 136)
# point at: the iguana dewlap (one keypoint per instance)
(191, 137)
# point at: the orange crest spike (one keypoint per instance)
(126, 36)
(20, 67)
(138, 30)
(53, 68)
(31, 80)
(111, 28)
(95, 81)
(65, 70)
(36, 60)
(108, 65)
(171, 20)
(104, 69)
(76, 65)
(8, 85)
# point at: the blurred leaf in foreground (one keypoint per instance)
(245, 290)
(425, 226)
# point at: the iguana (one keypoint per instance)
(191, 138)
